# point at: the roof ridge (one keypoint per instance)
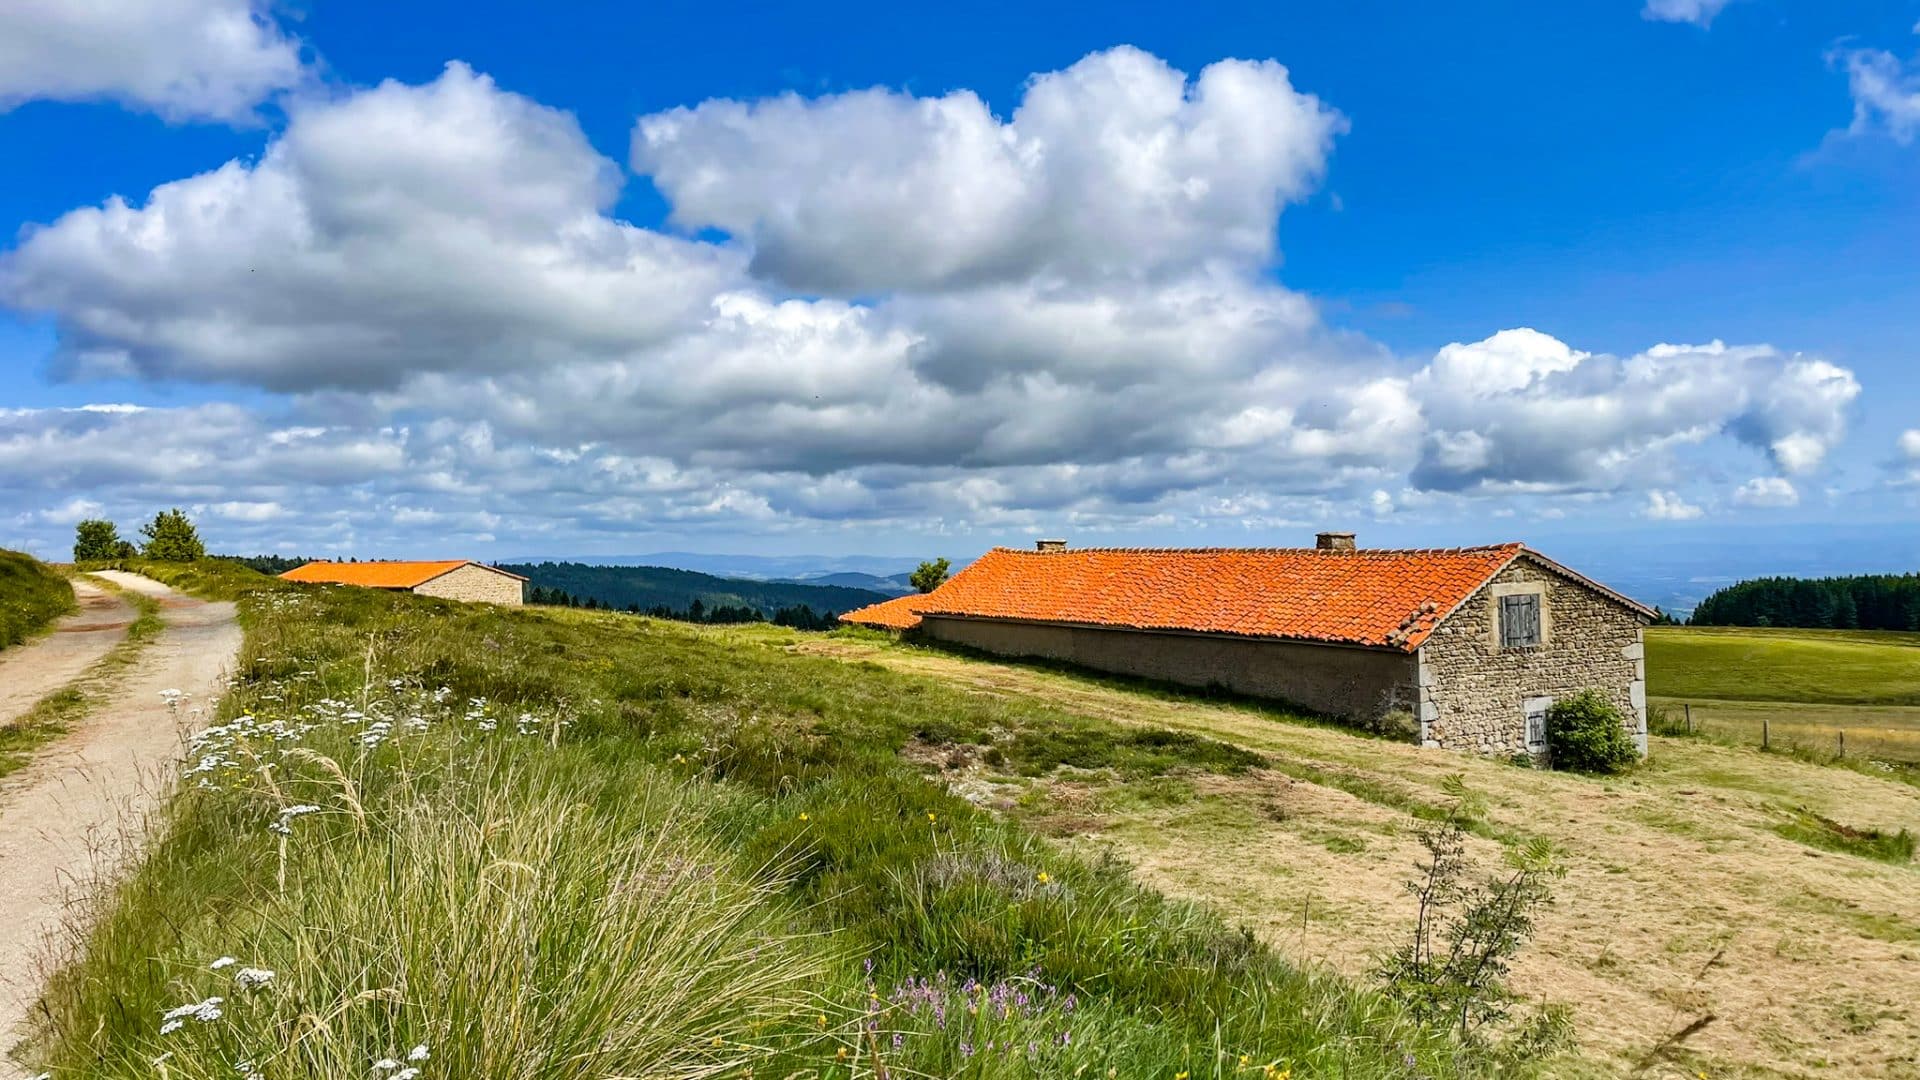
(1510, 545)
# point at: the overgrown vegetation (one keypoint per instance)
(1586, 733)
(32, 595)
(555, 843)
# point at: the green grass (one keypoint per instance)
(32, 595)
(1844, 667)
(1806, 827)
(718, 864)
(53, 715)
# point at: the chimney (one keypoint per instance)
(1049, 545)
(1334, 541)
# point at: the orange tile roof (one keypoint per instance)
(380, 575)
(899, 613)
(1390, 599)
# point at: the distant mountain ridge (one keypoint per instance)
(892, 585)
(664, 586)
(757, 567)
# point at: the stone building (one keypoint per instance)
(1463, 648)
(455, 579)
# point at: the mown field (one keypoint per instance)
(1725, 913)
(1819, 690)
(32, 595)
(535, 843)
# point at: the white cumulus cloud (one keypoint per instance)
(402, 229)
(1522, 410)
(457, 337)
(184, 59)
(1669, 506)
(1117, 165)
(1773, 492)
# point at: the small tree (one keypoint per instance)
(97, 540)
(172, 537)
(929, 575)
(1586, 733)
(1453, 970)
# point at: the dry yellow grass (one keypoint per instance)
(1681, 900)
(1882, 732)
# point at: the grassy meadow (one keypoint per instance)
(1724, 913)
(435, 840)
(32, 595)
(1814, 690)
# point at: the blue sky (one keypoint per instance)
(850, 278)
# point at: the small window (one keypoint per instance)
(1536, 711)
(1520, 620)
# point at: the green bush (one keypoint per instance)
(1586, 733)
(171, 537)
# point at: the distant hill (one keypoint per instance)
(757, 567)
(895, 585)
(661, 586)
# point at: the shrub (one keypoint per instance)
(929, 575)
(97, 540)
(1586, 733)
(171, 537)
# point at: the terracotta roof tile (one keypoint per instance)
(898, 613)
(1391, 599)
(379, 575)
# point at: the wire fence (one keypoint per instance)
(1779, 727)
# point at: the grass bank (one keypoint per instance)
(32, 595)
(543, 843)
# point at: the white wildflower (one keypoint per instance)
(284, 826)
(385, 1064)
(419, 1053)
(408, 1073)
(252, 978)
(223, 962)
(204, 1011)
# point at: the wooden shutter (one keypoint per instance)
(1519, 620)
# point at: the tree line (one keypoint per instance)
(798, 616)
(170, 536)
(1861, 602)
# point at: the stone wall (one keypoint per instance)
(1473, 693)
(1354, 683)
(476, 584)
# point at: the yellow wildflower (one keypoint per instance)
(1043, 878)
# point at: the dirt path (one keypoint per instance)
(67, 814)
(1682, 899)
(32, 671)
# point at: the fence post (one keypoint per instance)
(1766, 733)
(1843, 742)
(1687, 707)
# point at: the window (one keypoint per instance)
(1536, 711)
(1520, 620)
